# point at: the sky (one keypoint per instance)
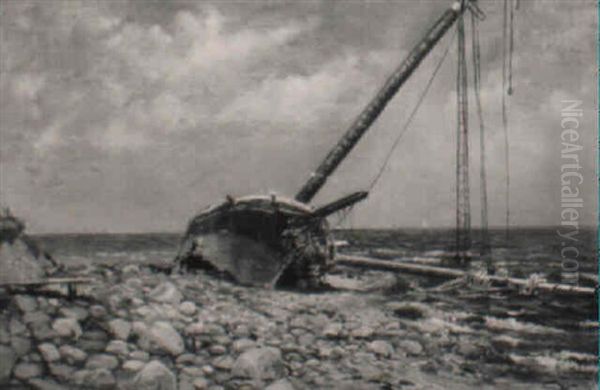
(131, 116)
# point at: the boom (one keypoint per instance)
(376, 106)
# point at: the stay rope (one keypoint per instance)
(405, 127)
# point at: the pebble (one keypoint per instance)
(120, 328)
(242, 345)
(217, 350)
(155, 375)
(105, 361)
(411, 347)
(166, 338)
(381, 348)
(67, 327)
(133, 365)
(98, 311)
(259, 363)
(282, 384)
(166, 292)
(25, 303)
(20, 345)
(49, 352)
(200, 384)
(24, 371)
(188, 308)
(118, 347)
(72, 354)
(333, 330)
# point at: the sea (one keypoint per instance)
(554, 328)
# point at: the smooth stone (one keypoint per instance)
(163, 335)
(25, 303)
(187, 308)
(101, 378)
(24, 371)
(78, 313)
(242, 345)
(282, 384)
(72, 354)
(119, 328)
(99, 361)
(381, 348)
(45, 384)
(118, 347)
(140, 355)
(200, 384)
(362, 332)
(223, 362)
(333, 330)
(20, 345)
(98, 311)
(7, 362)
(411, 347)
(133, 365)
(61, 371)
(166, 292)
(67, 327)
(259, 363)
(49, 352)
(217, 350)
(155, 375)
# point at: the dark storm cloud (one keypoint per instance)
(130, 115)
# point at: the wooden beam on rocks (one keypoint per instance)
(450, 273)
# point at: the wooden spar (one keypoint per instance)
(376, 106)
(47, 282)
(449, 273)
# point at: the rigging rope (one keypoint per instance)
(412, 115)
(405, 126)
(463, 204)
(504, 114)
(476, 55)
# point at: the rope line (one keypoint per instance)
(412, 115)
(505, 116)
(404, 127)
(485, 238)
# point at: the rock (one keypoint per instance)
(166, 292)
(333, 330)
(282, 384)
(195, 329)
(411, 311)
(259, 363)
(200, 384)
(411, 347)
(217, 350)
(98, 311)
(191, 371)
(20, 345)
(49, 352)
(45, 384)
(7, 362)
(131, 269)
(24, 371)
(17, 328)
(25, 303)
(133, 365)
(155, 376)
(140, 355)
(188, 308)
(67, 327)
(34, 317)
(164, 336)
(223, 363)
(120, 328)
(362, 332)
(208, 370)
(61, 371)
(78, 313)
(242, 345)
(118, 347)
(105, 361)
(101, 378)
(381, 348)
(72, 354)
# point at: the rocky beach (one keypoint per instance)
(136, 328)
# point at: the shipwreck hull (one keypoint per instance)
(261, 241)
